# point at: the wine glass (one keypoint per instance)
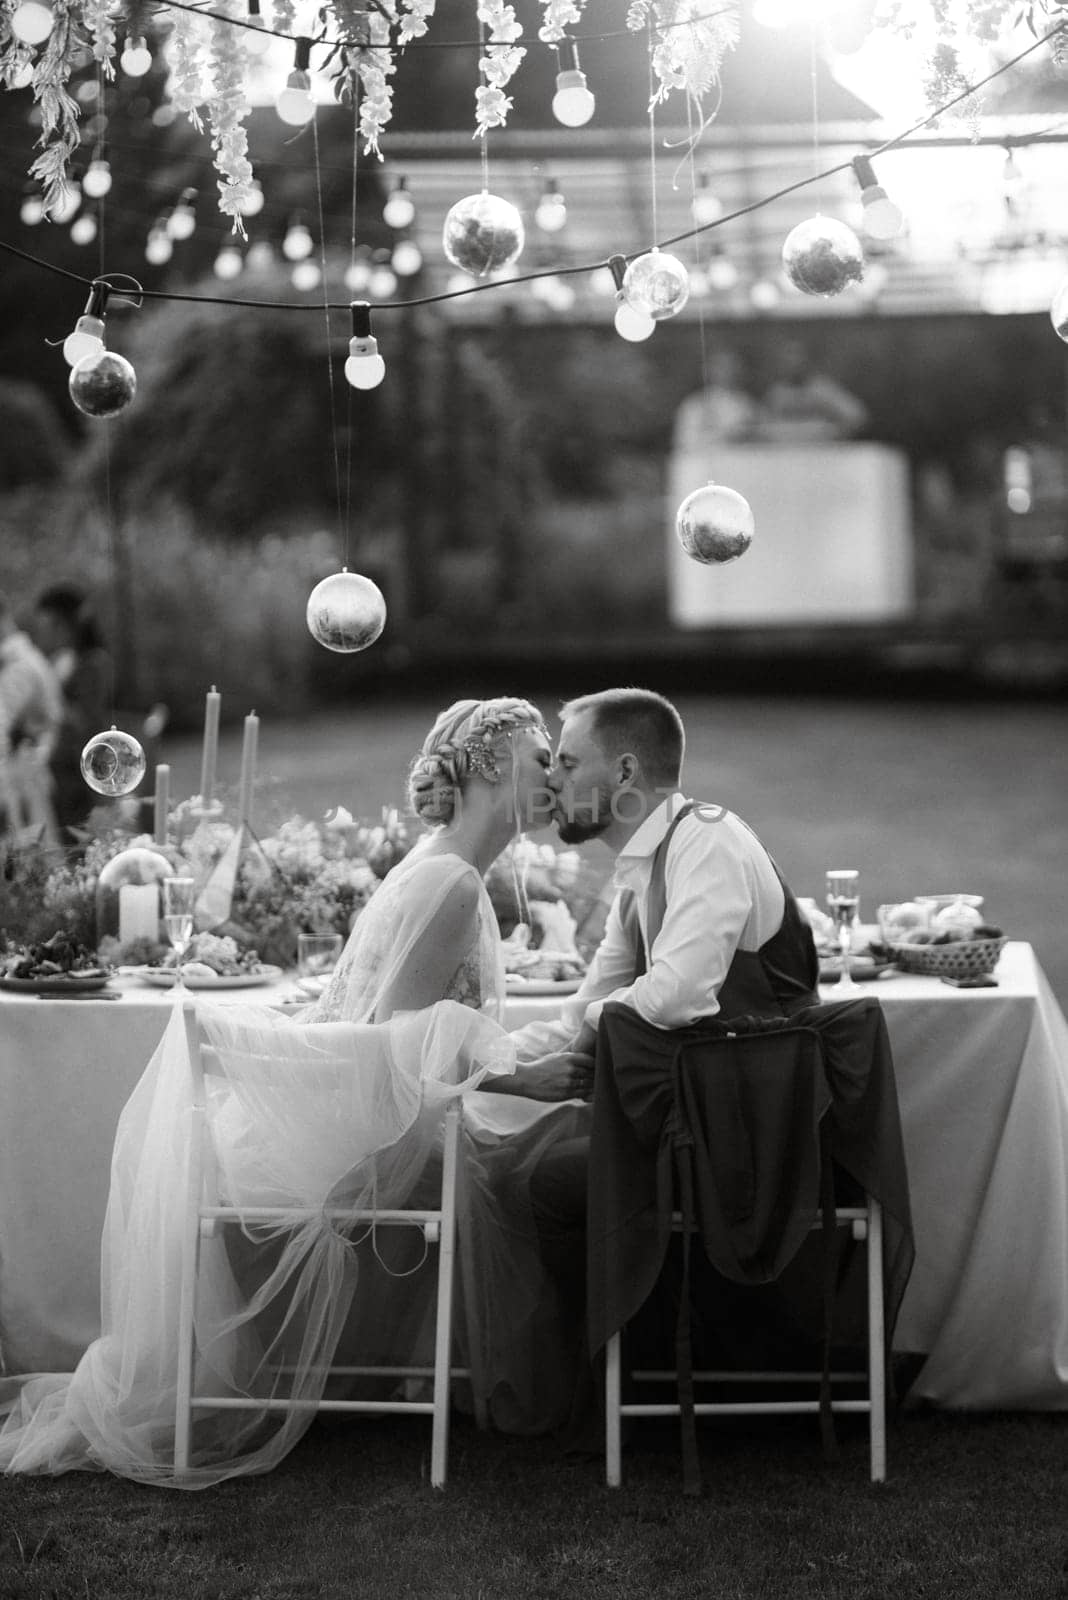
(843, 901)
(179, 903)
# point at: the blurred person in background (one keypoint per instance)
(31, 710)
(67, 632)
(805, 405)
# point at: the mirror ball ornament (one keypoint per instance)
(1058, 311)
(714, 524)
(346, 612)
(822, 256)
(113, 763)
(482, 233)
(657, 284)
(103, 384)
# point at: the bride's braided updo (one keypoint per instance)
(464, 739)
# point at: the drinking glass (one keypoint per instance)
(179, 903)
(843, 901)
(317, 954)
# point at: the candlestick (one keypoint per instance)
(162, 804)
(138, 912)
(212, 702)
(248, 767)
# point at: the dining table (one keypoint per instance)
(982, 1077)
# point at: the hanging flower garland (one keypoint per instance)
(189, 86)
(59, 111)
(692, 39)
(100, 26)
(498, 64)
(228, 107)
(559, 16)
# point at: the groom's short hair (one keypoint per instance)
(640, 721)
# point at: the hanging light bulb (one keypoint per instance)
(257, 40)
(554, 292)
(252, 204)
(657, 283)
(103, 384)
(882, 219)
(32, 210)
(295, 105)
(407, 258)
(97, 181)
(722, 273)
(136, 58)
(383, 280)
(364, 368)
(551, 214)
(764, 294)
(158, 246)
(631, 324)
(399, 209)
(573, 103)
(459, 283)
(1011, 176)
(83, 229)
(298, 243)
(260, 256)
(306, 276)
(228, 263)
(707, 206)
(182, 222)
(88, 336)
(21, 76)
(358, 271)
(32, 21)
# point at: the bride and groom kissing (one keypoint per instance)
(353, 1097)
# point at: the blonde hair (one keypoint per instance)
(463, 740)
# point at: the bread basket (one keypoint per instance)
(967, 958)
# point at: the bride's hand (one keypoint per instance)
(567, 1075)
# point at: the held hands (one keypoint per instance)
(565, 1075)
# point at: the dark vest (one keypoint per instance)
(774, 981)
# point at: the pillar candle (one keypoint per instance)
(138, 911)
(212, 703)
(248, 767)
(163, 803)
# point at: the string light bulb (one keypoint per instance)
(252, 204)
(158, 246)
(21, 75)
(399, 209)
(882, 218)
(551, 213)
(358, 271)
(657, 283)
(295, 105)
(407, 258)
(722, 273)
(32, 21)
(306, 276)
(87, 339)
(228, 263)
(97, 181)
(630, 323)
(136, 58)
(83, 229)
(32, 211)
(182, 222)
(257, 39)
(364, 368)
(383, 280)
(573, 102)
(298, 243)
(67, 204)
(707, 206)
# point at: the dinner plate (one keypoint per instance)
(58, 983)
(516, 985)
(163, 978)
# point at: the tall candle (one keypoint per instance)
(212, 703)
(248, 767)
(163, 803)
(138, 911)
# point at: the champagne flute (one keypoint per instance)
(179, 902)
(843, 901)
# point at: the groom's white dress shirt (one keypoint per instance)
(723, 894)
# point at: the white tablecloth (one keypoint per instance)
(983, 1085)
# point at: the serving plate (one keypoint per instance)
(517, 985)
(58, 983)
(163, 978)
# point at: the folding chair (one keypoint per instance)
(739, 1128)
(207, 1211)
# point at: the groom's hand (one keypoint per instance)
(565, 1075)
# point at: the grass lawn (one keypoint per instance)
(974, 1508)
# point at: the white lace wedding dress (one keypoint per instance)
(315, 1110)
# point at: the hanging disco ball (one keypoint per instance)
(822, 256)
(346, 612)
(103, 384)
(113, 763)
(482, 233)
(657, 284)
(714, 524)
(1058, 311)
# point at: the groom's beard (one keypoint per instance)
(577, 827)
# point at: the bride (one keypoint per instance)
(341, 1104)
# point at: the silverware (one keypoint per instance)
(83, 994)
